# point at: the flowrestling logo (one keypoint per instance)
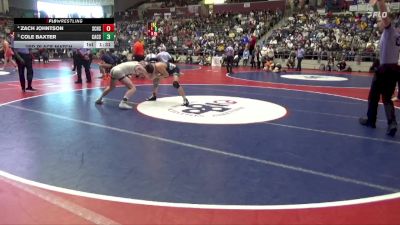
(212, 110)
(314, 77)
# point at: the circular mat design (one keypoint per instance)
(205, 109)
(316, 153)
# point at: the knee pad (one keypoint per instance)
(176, 84)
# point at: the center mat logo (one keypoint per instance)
(213, 110)
(215, 107)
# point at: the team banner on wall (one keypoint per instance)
(394, 5)
(353, 8)
(365, 8)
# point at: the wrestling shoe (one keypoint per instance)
(99, 101)
(365, 122)
(30, 89)
(124, 105)
(392, 129)
(185, 102)
(151, 98)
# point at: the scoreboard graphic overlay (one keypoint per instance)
(64, 33)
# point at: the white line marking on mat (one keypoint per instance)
(219, 152)
(71, 207)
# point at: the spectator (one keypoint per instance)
(342, 66)
(269, 65)
(8, 53)
(246, 54)
(138, 51)
(291, 60)
(299, 56)
(164, 56)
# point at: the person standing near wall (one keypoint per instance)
(230, 53)
(300, 56)
(138, 51)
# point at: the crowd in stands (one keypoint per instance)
(345, 36)
(210, 35)
(332, 38)
(324, 37)
(5, 26)
(126, 32)
(203, 35)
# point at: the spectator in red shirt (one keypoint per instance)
(138, 51)
(252, 45)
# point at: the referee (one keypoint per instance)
(388, 72)
(24, 60)
(230, 54)
(83, 60)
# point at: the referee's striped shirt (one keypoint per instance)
(229, 51)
